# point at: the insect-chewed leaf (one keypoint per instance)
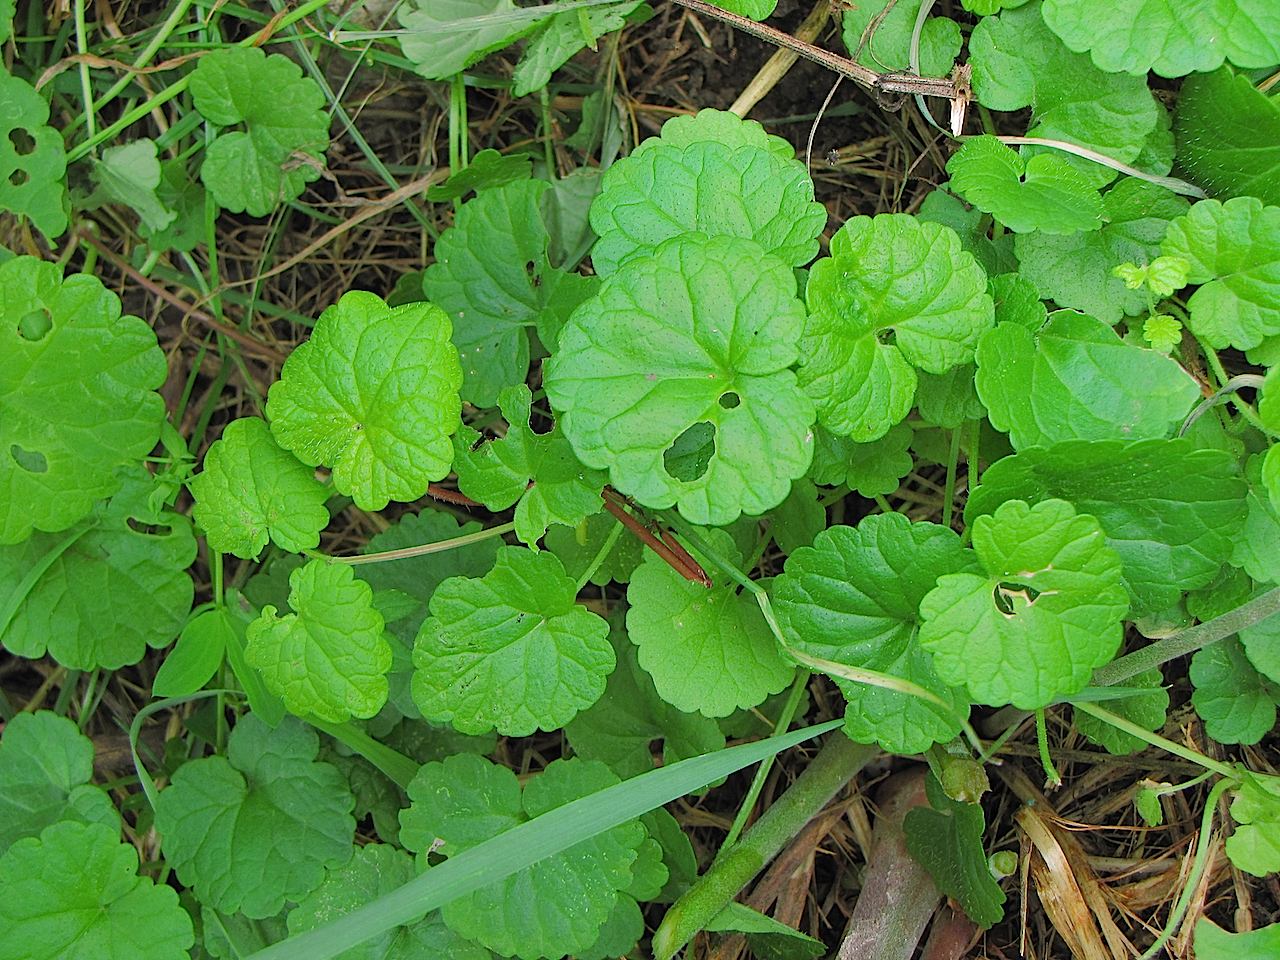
(31, 181)
(77, 395)
(675, 378)
(374, 395)
(1047, 613)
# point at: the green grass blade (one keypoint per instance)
(528, 843)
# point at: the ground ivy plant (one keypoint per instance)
(580, 455)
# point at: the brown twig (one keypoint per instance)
(678, 558)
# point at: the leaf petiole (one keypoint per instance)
(421, 550)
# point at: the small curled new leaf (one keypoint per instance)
(77, 395)
(251, 490)
(258, 827)
(511, 650)
(1047, 613)
(662, 191)
(708, 651)
(75, 892)
(675, 378)
(328, 658)
(374, 395)
(1042, 193)
(1234, 252)
(286, 132)
(31, 180)
(893, 273)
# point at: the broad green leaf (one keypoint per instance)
(1270, 475)
(197, 655)
(1018, 62)
(1261, 643)
(374, 395)
(707, 650)
(511, 650)
(1234, 252)
(1214, 943)
(286, 131)
(699, 335)
(891, 273)
(1236, 703)
(973, 227)
(1229, 136)
(492, 276)
(1171, 38)
(108, 593)
(1076, 270)
(854, 598)
(130, 174)
(577, 548)
(1076, 379)
(717, 126)
(1257, 547)
(74, 892)
(418, 577)
(564, 899)
(77, 394)
(258, 827)
(231, 936)
(185, 196)
(562, 36)
(1041, 193)
(33, 159)
(499, 473)
(488, 168)
(715, 188)
(620, 727)
(374, 870)
(1017, 301)
(1046, 614)
(45, 768)
(1173, 513)
(7, 8)
(949, 399)
(252, 490)
(443, 37)
(328, 658)
(887, 47)
(1147, 709)
(799, 518)
(1255, 845)
(755, 9)
(946, 839)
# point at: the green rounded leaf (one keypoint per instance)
(854, 598)
(577, 548)
(1228, 135)
(1214, 943)
(1076, 379)
(1235, 701)
(444, 37)
(693, 342)
(717, 126)
(251, 490)
(374, 395)
(708, 651)
(1047, 613)
(537, 469)
(286, 131)
(1234, 252)
(888, 47)
(1171, 38)
(107, 593)
(1076, 270)
(872, 469)
(511, 650)
(564, 900)
(1173, 513)
(258, 827)
(74, 892)
(493, 277)
(31, 180)
(891, 273)
(77, 395)
(46, 764)
(1254, 847)
(328, 658)
(1257, 549)
(1147, 709)
(663, 190)
(1042, 193)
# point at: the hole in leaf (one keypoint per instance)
(1010, 598)
(32, 461)
(23, 143)
(689, 456)
(18, 178)
(147, 529)
(730, 400)
(35, 325)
